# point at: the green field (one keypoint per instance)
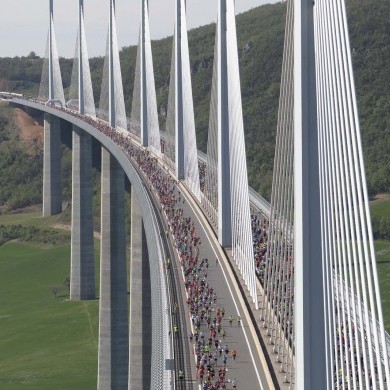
(46, 342)
(29, 219)
(381, 207)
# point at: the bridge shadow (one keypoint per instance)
(384, 261)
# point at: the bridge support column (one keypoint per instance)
(82, 274)
(52, 197)
(113, 309)
(140, 304)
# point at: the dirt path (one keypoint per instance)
(31, 131)
(380, 197)
(64, 226)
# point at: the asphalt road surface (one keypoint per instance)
(247, 369)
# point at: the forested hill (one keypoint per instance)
(260, 38)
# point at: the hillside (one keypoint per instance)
(20, 164)
(260, 38)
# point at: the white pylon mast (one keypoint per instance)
(224, 193)
(179, 120)
(51, 68)
(81, 59)
(111, 81)
(143, 90)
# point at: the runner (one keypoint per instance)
(234, 354)
(225, 358)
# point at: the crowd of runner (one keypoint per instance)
(260, 236)
(208, 332)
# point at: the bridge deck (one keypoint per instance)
(248, 369)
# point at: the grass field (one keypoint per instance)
(381, 206)
(29, 219)
(46, 343)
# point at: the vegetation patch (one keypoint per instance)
(20, 170)
(380, 205)
(33, 234)
(380, 211)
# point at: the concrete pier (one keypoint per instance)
(113, 311)
(52, 196)
(82, 274)
(140, 304)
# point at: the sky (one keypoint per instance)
(24, 23)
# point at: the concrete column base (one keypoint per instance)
(82, 275)
(113, 311)
(52, 196)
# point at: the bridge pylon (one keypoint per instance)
(81, 58)
(179, 101)
(144, 103)
(113, 310)
(82, 270)
(51, 90)
(309, 310)
(80, 92)
(322, 306)
(82, 275)
(52, 191)
(111, 67)
(180, 139)
(226, 181)
(51, 59)
(224, 126)
(112, 103)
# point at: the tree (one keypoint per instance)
(67, 283)
(55, 290)
(32, 55)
